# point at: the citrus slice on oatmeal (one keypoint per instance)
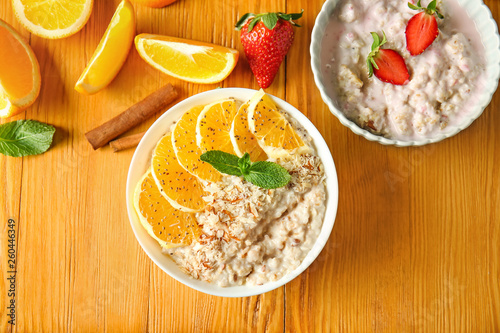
(111, 52)
(187, 151)
(186, 59)
(182, 190)
(19, 72)
(243, 139)
(275, 134)
(53, 18)
(214, 124)
(169, 226)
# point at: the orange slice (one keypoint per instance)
(186, 59)
(169, 226)
(214, 126)
(53, 18)
(273, 131)
(183, 190)
(19, 72)
(155, 3)
(186, 149)
(111, 52)
(243, 139)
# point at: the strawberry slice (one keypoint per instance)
(422, 28)
(387, 65)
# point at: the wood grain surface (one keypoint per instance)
(415, 246)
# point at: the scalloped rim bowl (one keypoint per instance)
(488, 31)
(141, 162)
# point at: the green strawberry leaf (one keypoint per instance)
(296, 16)
(25, 137)
(268, 175)
(430, 10)
(222, 161)
(376, 41)
(286, 17)
(243, 20)
(253, 23)
(432, 5)
(370, 66)
(412, 6)
(270, 20)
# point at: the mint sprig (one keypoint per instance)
(25, 137)
(264, 174)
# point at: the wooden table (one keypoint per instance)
(415, 246)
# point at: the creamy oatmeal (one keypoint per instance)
(253, 235)
(444, 81)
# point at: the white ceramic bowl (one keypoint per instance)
(488, 31)
(141, 162)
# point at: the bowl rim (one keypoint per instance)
(152, 248)
(488, 30)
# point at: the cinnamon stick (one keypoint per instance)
(126, 142)
(131, 117)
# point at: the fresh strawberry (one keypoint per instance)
(387, 65)
(422, 28)
(266, 39)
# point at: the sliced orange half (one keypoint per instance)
(243, 139)
(19, 72)
(187, 151)
(169, 226)
(214, 125)
(53, 18)
(273, 131)
(183, 190)
(186, 59)
(111, 52)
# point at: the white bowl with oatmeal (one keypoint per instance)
(297, 259)
(451, 82)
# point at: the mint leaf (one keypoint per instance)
(263, 173)
(222, 161)
(244, 163)
(268, 175)
(25, 137)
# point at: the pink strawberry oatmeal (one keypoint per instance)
(253, 235)
(445, 79)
